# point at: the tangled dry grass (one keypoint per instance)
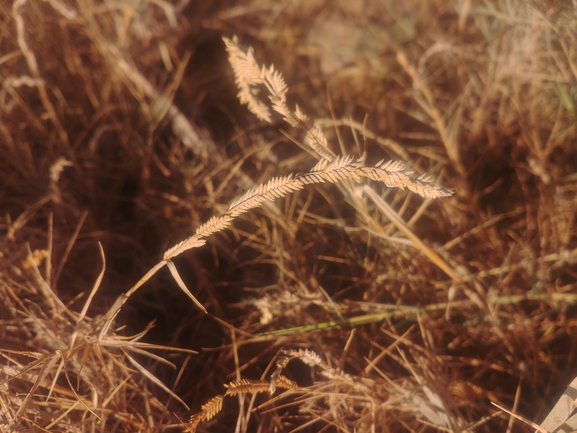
(329, 301)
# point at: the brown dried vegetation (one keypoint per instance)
(336, 298)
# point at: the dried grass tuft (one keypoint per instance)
(121, 133)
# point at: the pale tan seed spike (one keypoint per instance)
(334, 171)
(307, 356)
(274, 188)
(247, 75)
(396, 174)
(314, 137)
(275, 83)
(214, 225)
(391, 173)
(187, 244)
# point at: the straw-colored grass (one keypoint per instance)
(379, 232)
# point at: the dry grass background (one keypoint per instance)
(120, 128)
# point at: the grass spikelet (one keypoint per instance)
(187, 244)
(193, 422)
(243, 386)
(333, 171)
(240, 386)
(396, 174)
(247, 75)
(307, 356)
(245, 70)
(275, 188)
(214, 225)
(212, 407)
(314, 137)
(285, 383)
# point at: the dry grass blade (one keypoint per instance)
(180, 282)
(153, 378)
(559, 418)
(522, 419)
(46, 366)
(401, 225)
(429, 105)
(188, 133)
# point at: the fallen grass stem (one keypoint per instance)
(410, 312)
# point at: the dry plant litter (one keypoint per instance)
(384, 313)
